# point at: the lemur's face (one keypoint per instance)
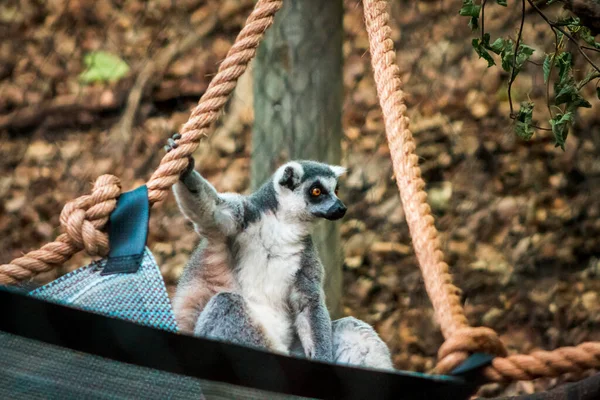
(308, 190)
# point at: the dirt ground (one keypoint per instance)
(519, 221)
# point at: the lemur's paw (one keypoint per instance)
(309, 351)
(172, 144)
(320, 354)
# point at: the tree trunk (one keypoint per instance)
(298, 102)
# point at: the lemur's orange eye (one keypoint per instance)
(316, 192)
(336, 191)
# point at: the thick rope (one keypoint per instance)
(438, 281)
(213, 100)
(539, 364)
(84, 218)
(461, 339)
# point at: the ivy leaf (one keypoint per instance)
(483, 53)
(564, 62)
(547, 66)
(586, 35)
(474, 23)
(471, 10)
(567, 93)
(497, 46)
(502, 2)
(571, 22)
(523, 55)
(590, 76)
(507, 55)
(560, 128)
(103, 67)
(524, 121)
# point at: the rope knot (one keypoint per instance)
(466, 341)
(83, 217)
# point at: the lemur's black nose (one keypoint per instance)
(336, 211)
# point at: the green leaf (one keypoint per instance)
(474, 23)
(586, 35)
(469, 9)
(571, 22)
(568, 94)
(560, 128)
(547, 66)
(103, 67)
(523, 55)
(502, 2)
(564, 61)
(497, 46)
(524, 121)
(507, 55)
(483, 53)
(590, 76)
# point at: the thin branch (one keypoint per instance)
(483, 19)
(587, 80)
(554, 26)
(590, 48)
(514, 64)
(535, 63)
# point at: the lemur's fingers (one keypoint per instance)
(191, 164)
(172, 144)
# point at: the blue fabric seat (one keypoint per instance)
(140, 297)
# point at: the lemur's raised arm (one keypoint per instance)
(212, 214)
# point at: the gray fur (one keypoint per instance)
(356, 343)
(226, 318)
(260, 202)
(313, 169)
(307, 302)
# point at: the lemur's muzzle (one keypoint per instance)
(336, 211)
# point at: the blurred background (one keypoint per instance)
(93, 87)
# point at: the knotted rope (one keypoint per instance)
(84, 218)
(461, 339)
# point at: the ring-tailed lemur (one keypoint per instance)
(255, 278)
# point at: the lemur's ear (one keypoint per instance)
(289, 178)
(338, 170)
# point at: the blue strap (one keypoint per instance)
(475, 362)
(471, 369)
(128, 232)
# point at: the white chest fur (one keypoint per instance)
(269, 257)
